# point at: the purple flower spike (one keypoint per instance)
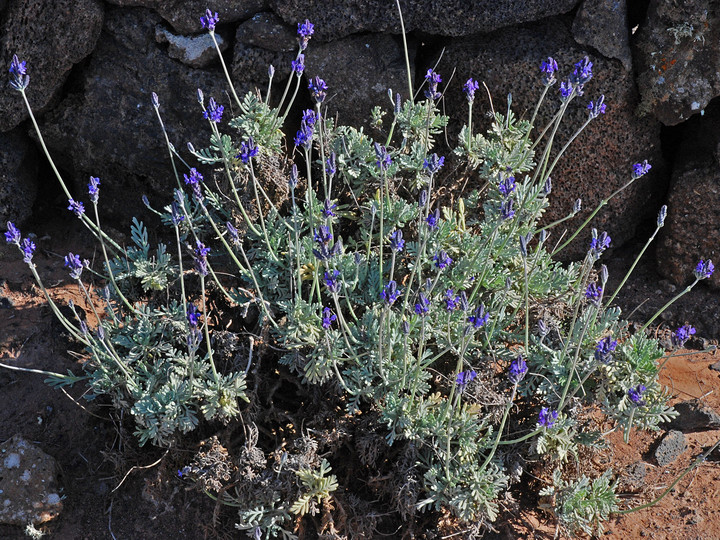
(547, 417)
(77, 207)
(93, 189)
(566, 89)
(390, 293)
(12, 236)
(641, 169)
(433, 80)
(328, 318)
(479, 318)
(248, 150)
(506, 209)
(201, 263)
(318, 89)
(298, 65)
(396, 241)
(682, 334)
(383, 160)
(549, 68)
(209, 20)
(604, 349)
(518, 369)
(507, 186)
(598, 244)
(193, 316)
(331, 281)
(469, 88)
(28, 248)
(214, 111)
(635, 394)
(452, 301)
(704, 269)
(582, 73)
(597, 108)
(75, 265)
(433, 163)
(593, 293)
(433, 219)
(465, 377)
(305, 30)
(19, 79)
(442, 260)
(423, 305)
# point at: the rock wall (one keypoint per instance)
(94, 64)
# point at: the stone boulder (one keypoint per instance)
(18, 176)
(600, 160)
(28, 486)
(603, 25)
(108, 127)
(334, 19)
(184, 15)
(692, 228)
(677, 55)
(51, 37)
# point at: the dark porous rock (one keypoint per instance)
(28, 486)
(359, 70)
(195, 51)
(51, 37)
(715, 366)
(694, 415)
(634, 475)
(603, 24)
(339, 18)
(670, 448)
(261, 42)
(184, 15)
(692, 230)
(677, 55)
(110, 128)
(18, 176)
(601, 159)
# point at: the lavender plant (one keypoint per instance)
(374, 290)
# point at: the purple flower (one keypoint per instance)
(469, 88)
(175, 214)
(549, 67)
(233, 233)
(598, 244)
(452, 301)
(396, 241)
(382, 156)
(331, 281)
(390, 292)
(294, 177)
(201, 264)
(547, 417)
(641, 169)
(77, 207)
(604, 349)
(682, 334)
(329, 207)
(214, 111)
(12, 236)
(75, 265)
(304, 137)
(248, 150)
(565, 90)
(465, 377)
(582, 73)
(423, 305)
(19, 79)
(507, 186)
(328, 318)
(442, 260)
(322, 237)
(597, 108)
(193, 316)
(479, 318)
(209, 20)
(433, 219)
(309, 117)
(318, 89)
(433, 80)
(635, 394)
(593, 293)
(93, 189)
(506, 209)
(704, 269)
(298, 65)
(331, 164)
(28, 248)
(433, 163)
(194, 177)
(305, 30)
(518, 369)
